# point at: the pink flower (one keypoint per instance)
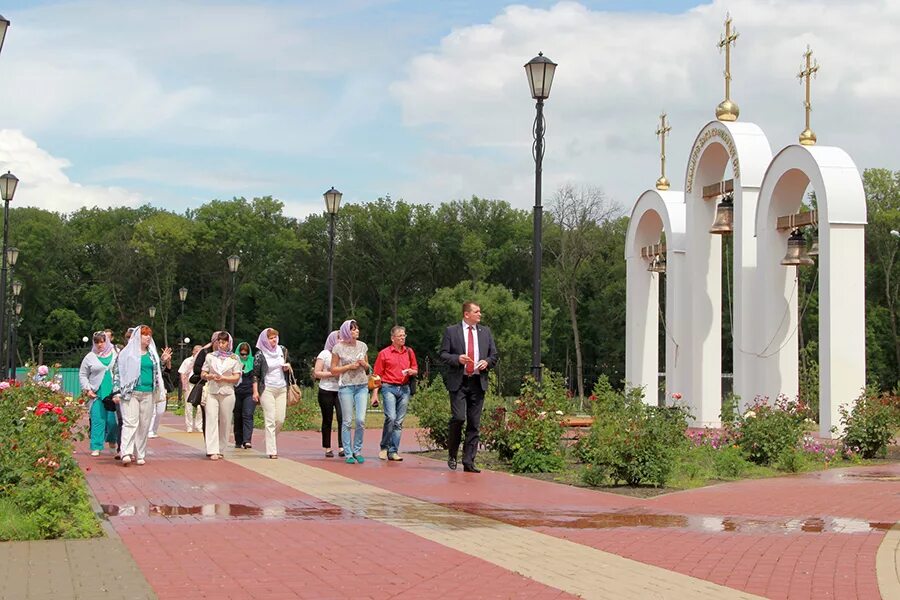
(676, 396)
(4, 385)
(43, 370)
(55, 387)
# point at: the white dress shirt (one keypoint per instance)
(475, 352)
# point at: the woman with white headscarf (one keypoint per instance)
(328, 395)
(222, 370)
(271, 376)
(137, 379)
(95, 377)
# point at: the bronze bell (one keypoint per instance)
(814, 247)
(658, 264)
(724, 223)
(796, 251)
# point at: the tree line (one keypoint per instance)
(395, 263)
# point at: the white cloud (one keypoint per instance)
(43, 182)
(617, 71)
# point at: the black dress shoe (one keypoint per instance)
(452, 464)
(471, 468)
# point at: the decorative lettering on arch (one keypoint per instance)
(726, 140)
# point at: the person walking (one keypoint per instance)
(160, 408)
(95, 377)
(221, 370)
(137, 383)
(328, 395)
(244, 405)
(469, 351)
(193, 415)
(395, 365)
(271, 375)
(350, 363)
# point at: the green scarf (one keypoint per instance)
(247, 362)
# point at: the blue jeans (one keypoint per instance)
(394, 399)
(353, 396)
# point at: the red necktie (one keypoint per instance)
(470, 366)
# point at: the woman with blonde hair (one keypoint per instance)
(95, 377)
(221, 370)
(271, 376)
(349, 361)
(138, 384)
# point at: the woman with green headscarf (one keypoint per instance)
(244, 405)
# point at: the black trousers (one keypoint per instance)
(330, 405)
(244, 407)
(466, 404)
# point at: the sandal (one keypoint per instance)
(273, 456)
(214, 457)
(329, 454)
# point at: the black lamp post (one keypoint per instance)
(182, 295)
(332, 204)
(16, 321)
(8, 183)
(16, 290)
(234, 263)
(540, 70)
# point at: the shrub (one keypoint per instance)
(765, 431)
(729, 463)
(39, 477)
(431, 405)
(594, 476)
(635, 443)
(869, 427)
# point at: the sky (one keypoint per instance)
(179, 102)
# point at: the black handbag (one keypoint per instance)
(196, 394)
(108, 402)
(413, 384)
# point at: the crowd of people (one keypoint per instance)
(127, 385)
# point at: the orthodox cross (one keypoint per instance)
(807, 137)
(662, 131)
(727, 110)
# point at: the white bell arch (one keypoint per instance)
(745, 149)
(841, 204)
(655, 213)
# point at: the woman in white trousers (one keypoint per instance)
(271, 375)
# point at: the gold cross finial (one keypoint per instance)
(727, 110)
(807, 137)
(662, 131)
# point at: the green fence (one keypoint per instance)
(70, 383)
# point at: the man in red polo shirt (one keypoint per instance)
(395, 364)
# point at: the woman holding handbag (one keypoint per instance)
(271, 377)
(95, 377)
(350, 362)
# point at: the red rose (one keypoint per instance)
(58, 410)
(41, 411)
(63, 419)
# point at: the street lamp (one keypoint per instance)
(8, 184)
(12, 257)
(895, 233)
(14, 327)
(332, 204)
(182, 295)
(234, 263)
(540, 71)
(152, 311)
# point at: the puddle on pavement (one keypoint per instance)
(227, 511)
(840, 476)
(622, 519)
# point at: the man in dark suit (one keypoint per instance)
(469, 350)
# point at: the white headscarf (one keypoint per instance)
(271, 351)
(129, 362)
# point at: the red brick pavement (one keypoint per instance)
(808, 536)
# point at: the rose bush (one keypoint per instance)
(39, 478)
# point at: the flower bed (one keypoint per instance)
(42, 490)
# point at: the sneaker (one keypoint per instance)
(126, 460)
(359, 458)
(350, 460)
(141, 461)
(395, 457)
(382, 455)
(95, 453)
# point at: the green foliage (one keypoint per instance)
(870, 425)
(791, 460)
(431, 405)
(729, 463)
(38, 475)
(765, 431)
(635, 443)
(303, 416)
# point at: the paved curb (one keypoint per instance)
(887, 563)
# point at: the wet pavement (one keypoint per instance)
(249, 527)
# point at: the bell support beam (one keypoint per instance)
(796, 220)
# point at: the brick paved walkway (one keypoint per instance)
(309, 527)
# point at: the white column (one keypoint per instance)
(842, 338)
(745, 294)
(642, 319)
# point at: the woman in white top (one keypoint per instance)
(271, 373)
(222, 370)
(349, 360)
(328, 395)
